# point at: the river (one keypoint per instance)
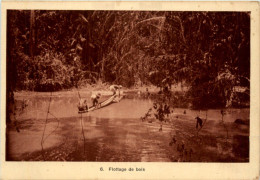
(113, 133)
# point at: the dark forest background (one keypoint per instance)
(207, 52)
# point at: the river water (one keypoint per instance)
(63, 107)
(113, 133)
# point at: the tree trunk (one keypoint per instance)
(32, 34)
(11, 78)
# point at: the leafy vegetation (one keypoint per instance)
(208, 52)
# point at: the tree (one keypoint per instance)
(209, 44)
(207, 51)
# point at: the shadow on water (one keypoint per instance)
(116, 134)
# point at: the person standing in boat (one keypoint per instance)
(115, 88)
(95, 98)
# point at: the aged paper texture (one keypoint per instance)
(93, 169)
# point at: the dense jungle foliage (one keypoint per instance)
(208, 52)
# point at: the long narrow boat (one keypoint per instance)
(118, 98)
(100, 105)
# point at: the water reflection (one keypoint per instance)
(63, 107)
(113, 133)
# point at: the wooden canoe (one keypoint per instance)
(100, 105)
(118, 98)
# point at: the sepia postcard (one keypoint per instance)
(129, 90)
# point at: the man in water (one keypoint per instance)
(95, 98)
(115, 88)
(199, 122)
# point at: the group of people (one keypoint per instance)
(95, 98)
